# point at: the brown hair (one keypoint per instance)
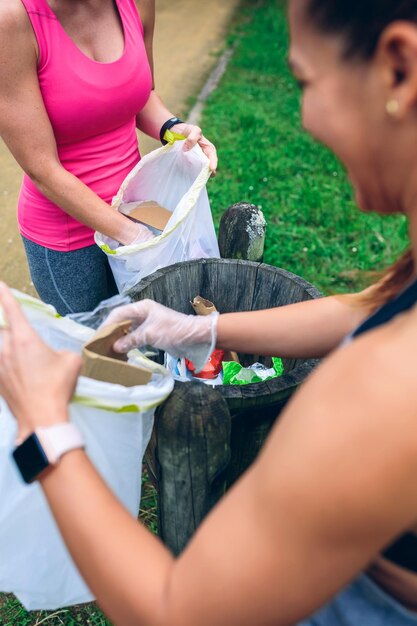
(392, 281)
(359, 22)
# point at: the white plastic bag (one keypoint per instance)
(116, 422)
(177, 181)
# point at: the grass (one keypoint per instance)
(314, 227)
(13, 614)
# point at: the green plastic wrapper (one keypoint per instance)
(235, 374)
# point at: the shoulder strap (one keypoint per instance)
(130, 10)
(38, 7)
(41, 18)
(403, 302)
(403, 552)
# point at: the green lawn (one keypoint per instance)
(314, 228)
(13, 614)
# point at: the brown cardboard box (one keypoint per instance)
(101, 362)
(149, 213)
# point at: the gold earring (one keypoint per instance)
(392, 107)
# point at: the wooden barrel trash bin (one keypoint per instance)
(205, 437)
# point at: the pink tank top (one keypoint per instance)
(92, 107)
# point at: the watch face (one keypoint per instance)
(30, 458)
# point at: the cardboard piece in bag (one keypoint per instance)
(202, 306)
(101, 362)
(149, 213)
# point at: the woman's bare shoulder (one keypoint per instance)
(363, 392)
(381, 365)
(16, 33)
(356, 414)
(13, 17)
(382, 356)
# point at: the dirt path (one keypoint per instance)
(188, 34)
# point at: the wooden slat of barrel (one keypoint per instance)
(192, 455)
(248, 436)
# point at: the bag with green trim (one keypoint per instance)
(175, 180)
(116, 422)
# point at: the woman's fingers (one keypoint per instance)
(130, 341)
(73, 363)
(136, 312)
(194, 136)
(13, 315)
(16, 330)
(210, 151)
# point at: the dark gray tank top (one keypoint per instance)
(404, 551)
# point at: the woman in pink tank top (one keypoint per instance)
(77, 78)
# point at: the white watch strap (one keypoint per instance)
(58, 439)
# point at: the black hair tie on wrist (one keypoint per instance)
(168, 124)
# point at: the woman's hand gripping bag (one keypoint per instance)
(175, 180)
(116, 422)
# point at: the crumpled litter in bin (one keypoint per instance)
(232, 373)
(180, 372)
(235, 374)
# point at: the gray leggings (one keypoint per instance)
(73, 282)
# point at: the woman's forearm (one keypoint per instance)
(152, 116)
(308, 329)
(76, 199)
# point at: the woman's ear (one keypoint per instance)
(397, 58)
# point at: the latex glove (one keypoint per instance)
(143, 234)
(36, 381)
(135, 233)
(193, 136)
(190, 336)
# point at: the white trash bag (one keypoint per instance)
(176, 180)
(116, 422)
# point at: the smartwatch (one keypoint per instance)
(44, 448)
(167, 126)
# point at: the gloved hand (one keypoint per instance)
(190, 336)
(142, 234)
